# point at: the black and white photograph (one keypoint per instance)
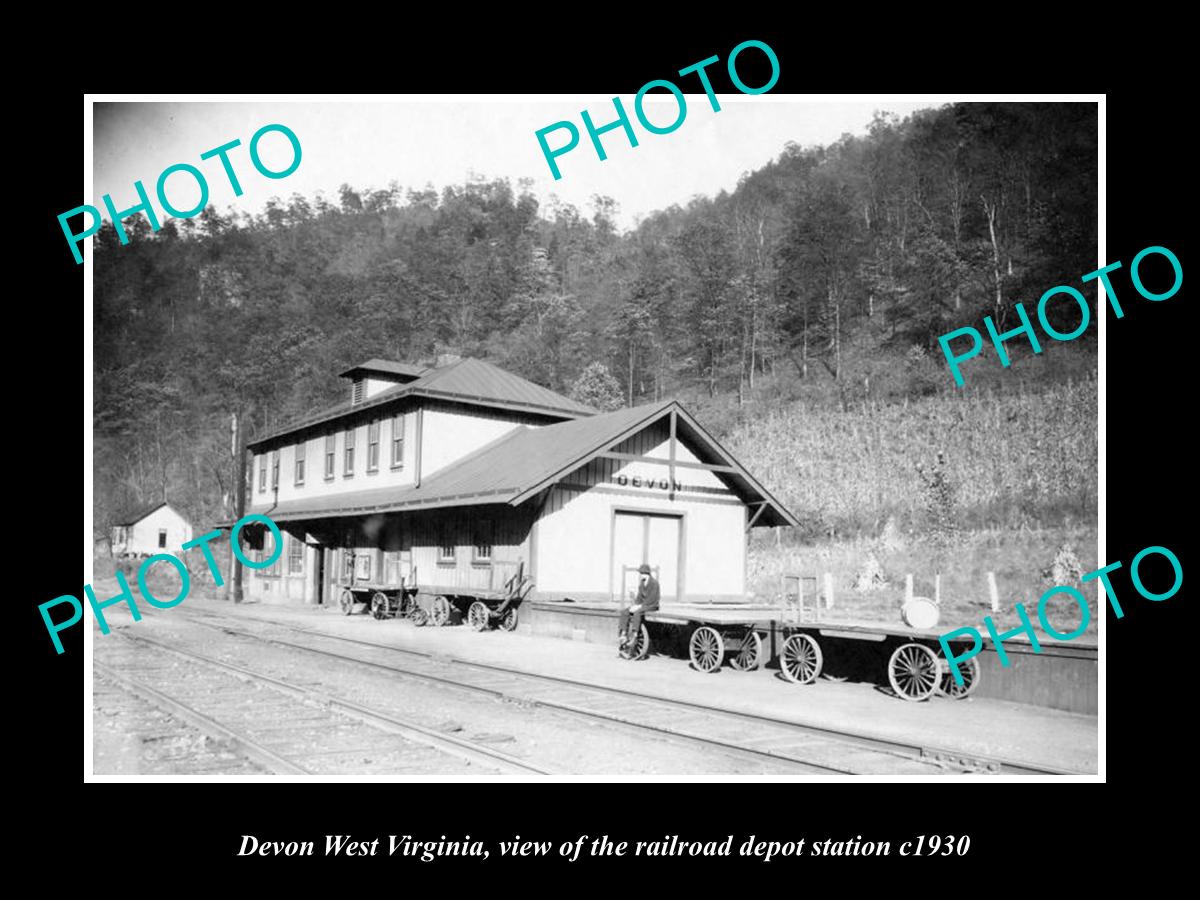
(697, 434)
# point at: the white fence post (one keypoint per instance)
(993, 591)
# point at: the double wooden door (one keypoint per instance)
(646, 538)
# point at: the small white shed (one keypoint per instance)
(155, 529)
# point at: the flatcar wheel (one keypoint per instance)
(509, 622)
(419, 617)
(706, 649)
(948, 687)
(914, 672)
(379, 605)
(477, 615)
(801, 659)
(346, 602)
(441, 611)
(750, 656)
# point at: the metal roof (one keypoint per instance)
(519, 464)
(470, 381)
(137, 514)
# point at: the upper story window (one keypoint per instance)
(330, 455)
(262, 472)
(274, 470)
(348, 468)
(398, 441)
(162, 537)
(373, 446)
(300, 448)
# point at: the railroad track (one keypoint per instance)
(286, 728)
(810, 748)
(156, 737)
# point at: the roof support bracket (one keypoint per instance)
(762, 505)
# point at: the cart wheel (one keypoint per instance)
(749, 658)
(640, 648)
(441, 611)
(346, 602)
(948, 687)
(477, 615)
(914, 672)
(509, 622)
(801, 659)
(379, 605)
(419, 617)
(706, 649)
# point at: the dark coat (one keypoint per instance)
(647, 595)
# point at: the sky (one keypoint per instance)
(418, 141)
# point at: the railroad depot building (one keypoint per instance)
(455, 478)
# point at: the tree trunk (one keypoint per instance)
(631, 371)
(835, 301)
(804, 350)
(989, 210)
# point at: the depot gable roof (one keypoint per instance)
(525, 461)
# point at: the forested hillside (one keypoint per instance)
(813, 292)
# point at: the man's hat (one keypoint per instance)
(644, 569)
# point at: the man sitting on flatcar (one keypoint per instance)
(629, 621)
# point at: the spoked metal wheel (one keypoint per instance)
(800, 659)
(379, 605)
(640, 648)
(477, 615)
(706, 649)
(509, 622)
(440, 614)
(418, 616)
(914, 672)
(346, 602)
(750, 656)
(968, 669)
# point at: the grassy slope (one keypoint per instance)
(1021, 470)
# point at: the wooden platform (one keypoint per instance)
(715, 614)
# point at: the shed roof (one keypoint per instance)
(521, 463)
(385, 367)
(470, 381)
